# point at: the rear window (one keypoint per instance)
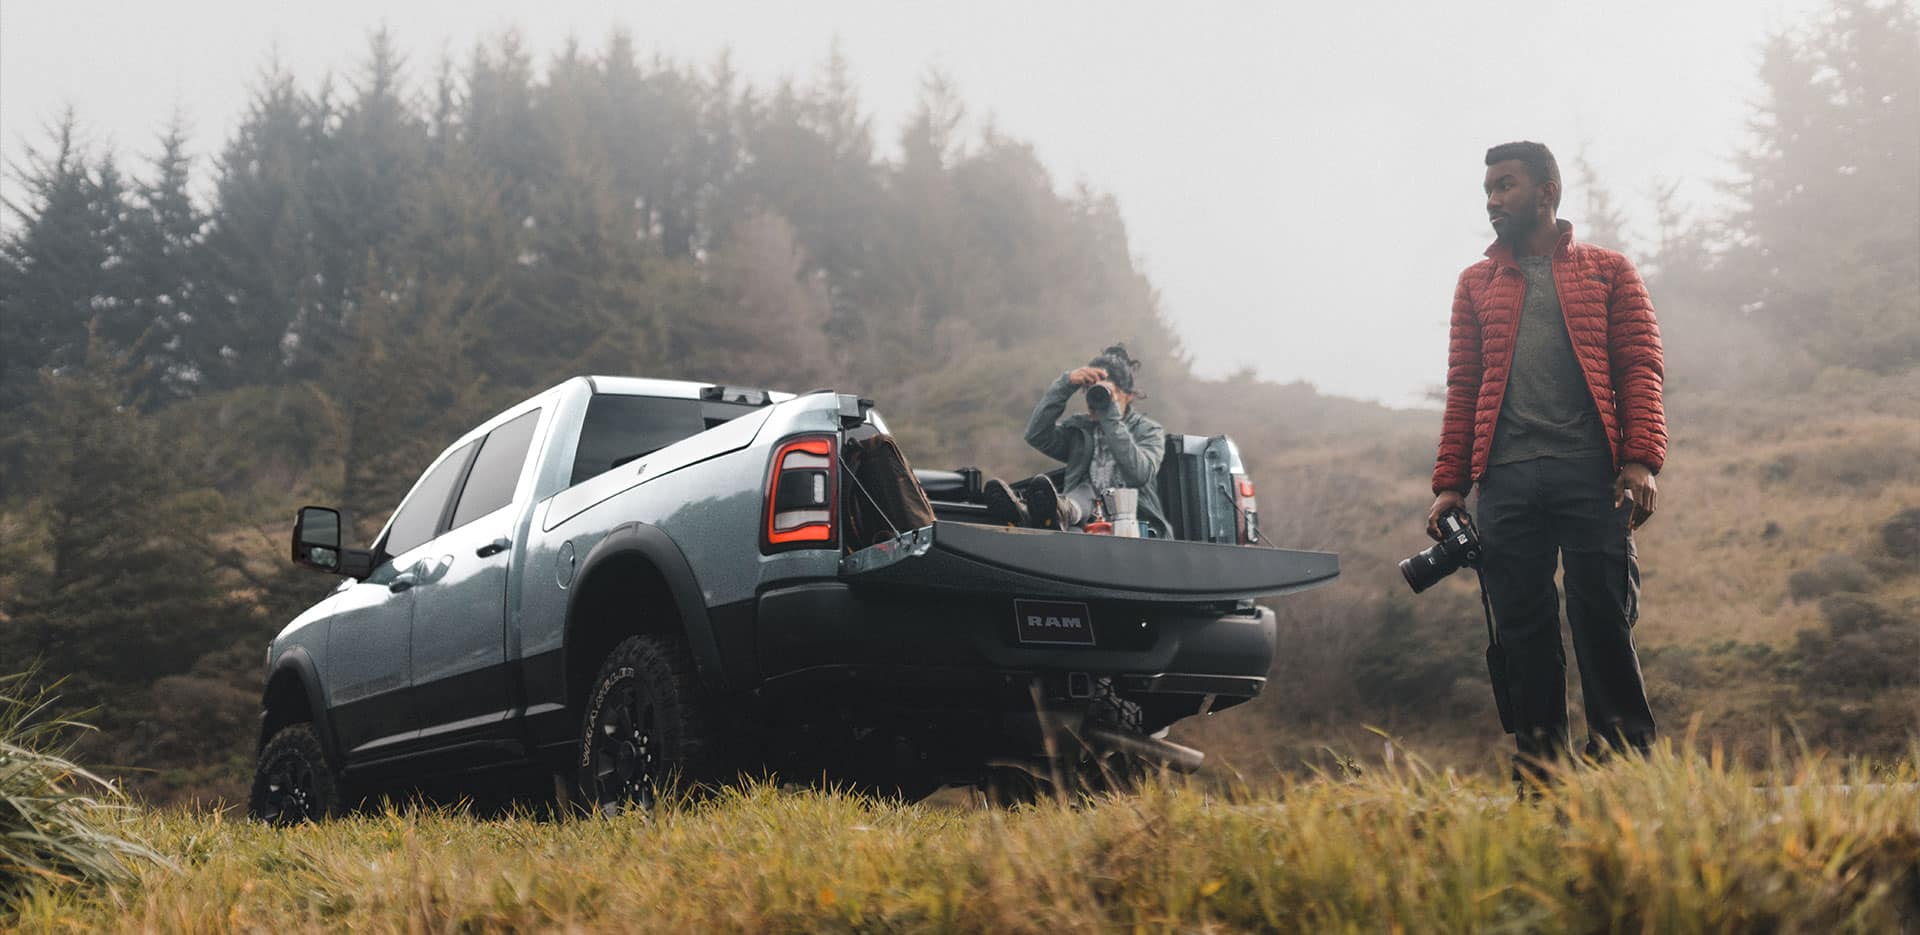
(619, 429)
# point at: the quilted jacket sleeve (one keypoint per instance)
(1453, 465)
(1639, 371)
(1137, 448)
(1043, 429)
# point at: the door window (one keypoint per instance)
(496, 471)
(419, 518)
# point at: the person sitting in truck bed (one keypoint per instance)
(1111, 445)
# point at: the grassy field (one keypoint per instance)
(1675, 844)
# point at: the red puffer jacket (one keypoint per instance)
(1614, 336)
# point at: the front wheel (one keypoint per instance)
(647, 726)
(293, 783)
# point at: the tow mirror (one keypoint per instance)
(316, 544)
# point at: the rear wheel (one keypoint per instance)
(1102, 770)
(293, 783)
(647, 727)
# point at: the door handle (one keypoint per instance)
(493, 548)
(403, 582)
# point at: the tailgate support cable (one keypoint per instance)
(855, 477)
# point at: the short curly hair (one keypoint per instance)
(1535, 156)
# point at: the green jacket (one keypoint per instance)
(1137, 442)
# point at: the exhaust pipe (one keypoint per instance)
(1177, 757)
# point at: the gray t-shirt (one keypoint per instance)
(1548, 411)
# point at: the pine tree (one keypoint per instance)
(1830, 213)
(166, 279)
(53, 260)
(364, 188)
(1606, 225)
(120, 598)
(265, 273)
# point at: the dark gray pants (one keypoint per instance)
(1531, 513)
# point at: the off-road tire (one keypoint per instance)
(292, 782)
(1014, 787)
(1111, 771)
(647, 728)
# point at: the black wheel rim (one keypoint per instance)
(290, 797)
(626, 750)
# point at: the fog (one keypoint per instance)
(1301, 183)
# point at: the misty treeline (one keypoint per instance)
(375, 262)
(1815, 269)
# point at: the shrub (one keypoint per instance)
(1835, 573)
(1419, 655)
(55, 817)
(1866, 648)
(1901, 535)
(1853, 613)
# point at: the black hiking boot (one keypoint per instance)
(1043, 502)
(1002, 506)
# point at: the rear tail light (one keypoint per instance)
(802, 495)
(1246, 510)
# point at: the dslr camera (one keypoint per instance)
(1459, 547)
(1099, 397)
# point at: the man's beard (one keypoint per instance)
(1516, 229)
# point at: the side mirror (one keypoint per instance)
(316, 544)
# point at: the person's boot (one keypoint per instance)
(1002, 506)
(1045, 505)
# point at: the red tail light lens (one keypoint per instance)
(1246, 510)
(802, 495)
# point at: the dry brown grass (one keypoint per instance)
(1675, 844)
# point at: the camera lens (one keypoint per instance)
(1099, 396)
(1459, 546)
(1427, 568)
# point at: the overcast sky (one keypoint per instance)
(1301, 181)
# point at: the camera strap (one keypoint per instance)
(1486, 604)
(1496, 661)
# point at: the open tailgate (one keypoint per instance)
(966, 557)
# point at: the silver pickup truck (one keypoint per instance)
(622, 583)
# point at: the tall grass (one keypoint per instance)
(56, 819)
(1674, 843)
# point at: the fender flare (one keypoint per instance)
(659, 549)
(296, 660)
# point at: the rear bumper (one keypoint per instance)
(829, 631)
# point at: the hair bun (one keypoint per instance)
(1119, 351)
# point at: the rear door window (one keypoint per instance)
(496, 470)
(619, 429)
(419, 518)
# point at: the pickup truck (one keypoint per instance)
(624, 583)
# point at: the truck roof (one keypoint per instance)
(670, 389)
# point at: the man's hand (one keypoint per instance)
(1448, 500)
(1635, 483)
(1087, 376)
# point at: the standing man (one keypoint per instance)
(1553, 408)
